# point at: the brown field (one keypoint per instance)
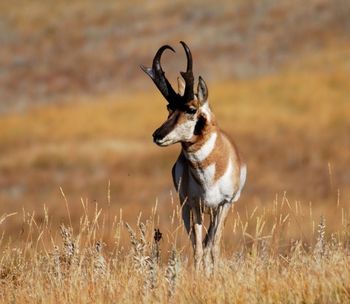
(77, 152)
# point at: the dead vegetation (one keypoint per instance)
(264, 268)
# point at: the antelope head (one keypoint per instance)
(188, 111)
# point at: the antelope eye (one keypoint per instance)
(191, 111)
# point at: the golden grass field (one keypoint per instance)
(78, 268)
(93, 167)
(82, 186)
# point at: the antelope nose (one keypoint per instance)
(157, 136)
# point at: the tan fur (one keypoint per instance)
(223, 150)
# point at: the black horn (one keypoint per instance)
(158, 76)
(188, 75)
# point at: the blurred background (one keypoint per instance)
(77, 113)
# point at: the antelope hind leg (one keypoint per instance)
(220, 219)
(212, 242)
(208, 260)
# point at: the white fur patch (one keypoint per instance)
(223, 190)
(181, 132)
(206, 110)
(242, 178)
(204, 151)
(225, 182)
(207, 175)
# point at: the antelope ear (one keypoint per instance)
(180, 86)
(202, 91)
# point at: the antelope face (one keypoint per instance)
(187, 111)
(180, 125)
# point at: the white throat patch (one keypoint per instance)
(204, 151)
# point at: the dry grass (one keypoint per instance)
(77, 267)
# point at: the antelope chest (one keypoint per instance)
(199, 185)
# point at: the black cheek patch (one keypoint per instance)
(200, 124)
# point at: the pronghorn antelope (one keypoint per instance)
(208, 174)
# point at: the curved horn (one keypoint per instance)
(188, 75)
(158, 76)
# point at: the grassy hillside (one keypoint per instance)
(53, 50)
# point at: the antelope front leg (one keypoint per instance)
(198, 245)
(186, 217)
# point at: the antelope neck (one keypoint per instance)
(202, 148)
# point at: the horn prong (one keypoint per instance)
(148, 71)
